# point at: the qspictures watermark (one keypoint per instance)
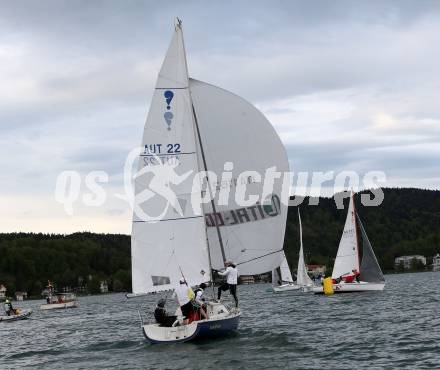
(158, 182)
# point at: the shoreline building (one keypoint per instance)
(436, 262)
(2, 292)
(246, 279)
(316, 270)
(406, 261)
(20, 296)
(103, 286)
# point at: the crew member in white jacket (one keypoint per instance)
(231, 274)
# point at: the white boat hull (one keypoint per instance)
(221, 322)
(24, 314)
(285, 288)
(352, 287)
(307, 288)
(58, 306)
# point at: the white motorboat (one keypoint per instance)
(60, 301)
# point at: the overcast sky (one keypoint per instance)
(347, 85)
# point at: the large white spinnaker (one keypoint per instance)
(233, 130)
(347, 258)
(302, 277)
(167, 241)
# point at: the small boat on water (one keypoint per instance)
(193, 126)
(350, 273)
(303, 279)
(19, 315)
(56, 301)
(282, 281)
(60, 301)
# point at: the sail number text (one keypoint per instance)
(162, 148)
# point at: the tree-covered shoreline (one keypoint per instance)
(406, 223)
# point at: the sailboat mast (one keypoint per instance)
(179, 25)
(205, 167)
(300, 229)
(356, 232)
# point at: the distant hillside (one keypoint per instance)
(28, 260)
(407, 222)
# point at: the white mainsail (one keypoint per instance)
(347, 258)
(302, 277)
(286, 275)
(169, 238)
(175, 243)
(233, 130)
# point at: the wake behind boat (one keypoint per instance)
(349, 274)
(193, 126)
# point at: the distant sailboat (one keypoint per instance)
(199, 127)
(347, 263)
(302, 277)
(282, 278)
(283, 281)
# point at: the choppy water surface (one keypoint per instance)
(397, 328)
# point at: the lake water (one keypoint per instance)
(398, 328)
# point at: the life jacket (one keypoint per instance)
(349, 278)
(193, 316)
(191, 294)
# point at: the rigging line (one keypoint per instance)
(166, 154)
(232, 231)
(171, 88)
(264, 255)
(169, 259)
(211, 277)
(166, 219)
(209, 185)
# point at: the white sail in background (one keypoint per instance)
(232, 130)
(286, 275)
(347, 258)
(276, 278)
(175, 244)
(302, 277)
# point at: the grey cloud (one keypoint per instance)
(88, 70)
